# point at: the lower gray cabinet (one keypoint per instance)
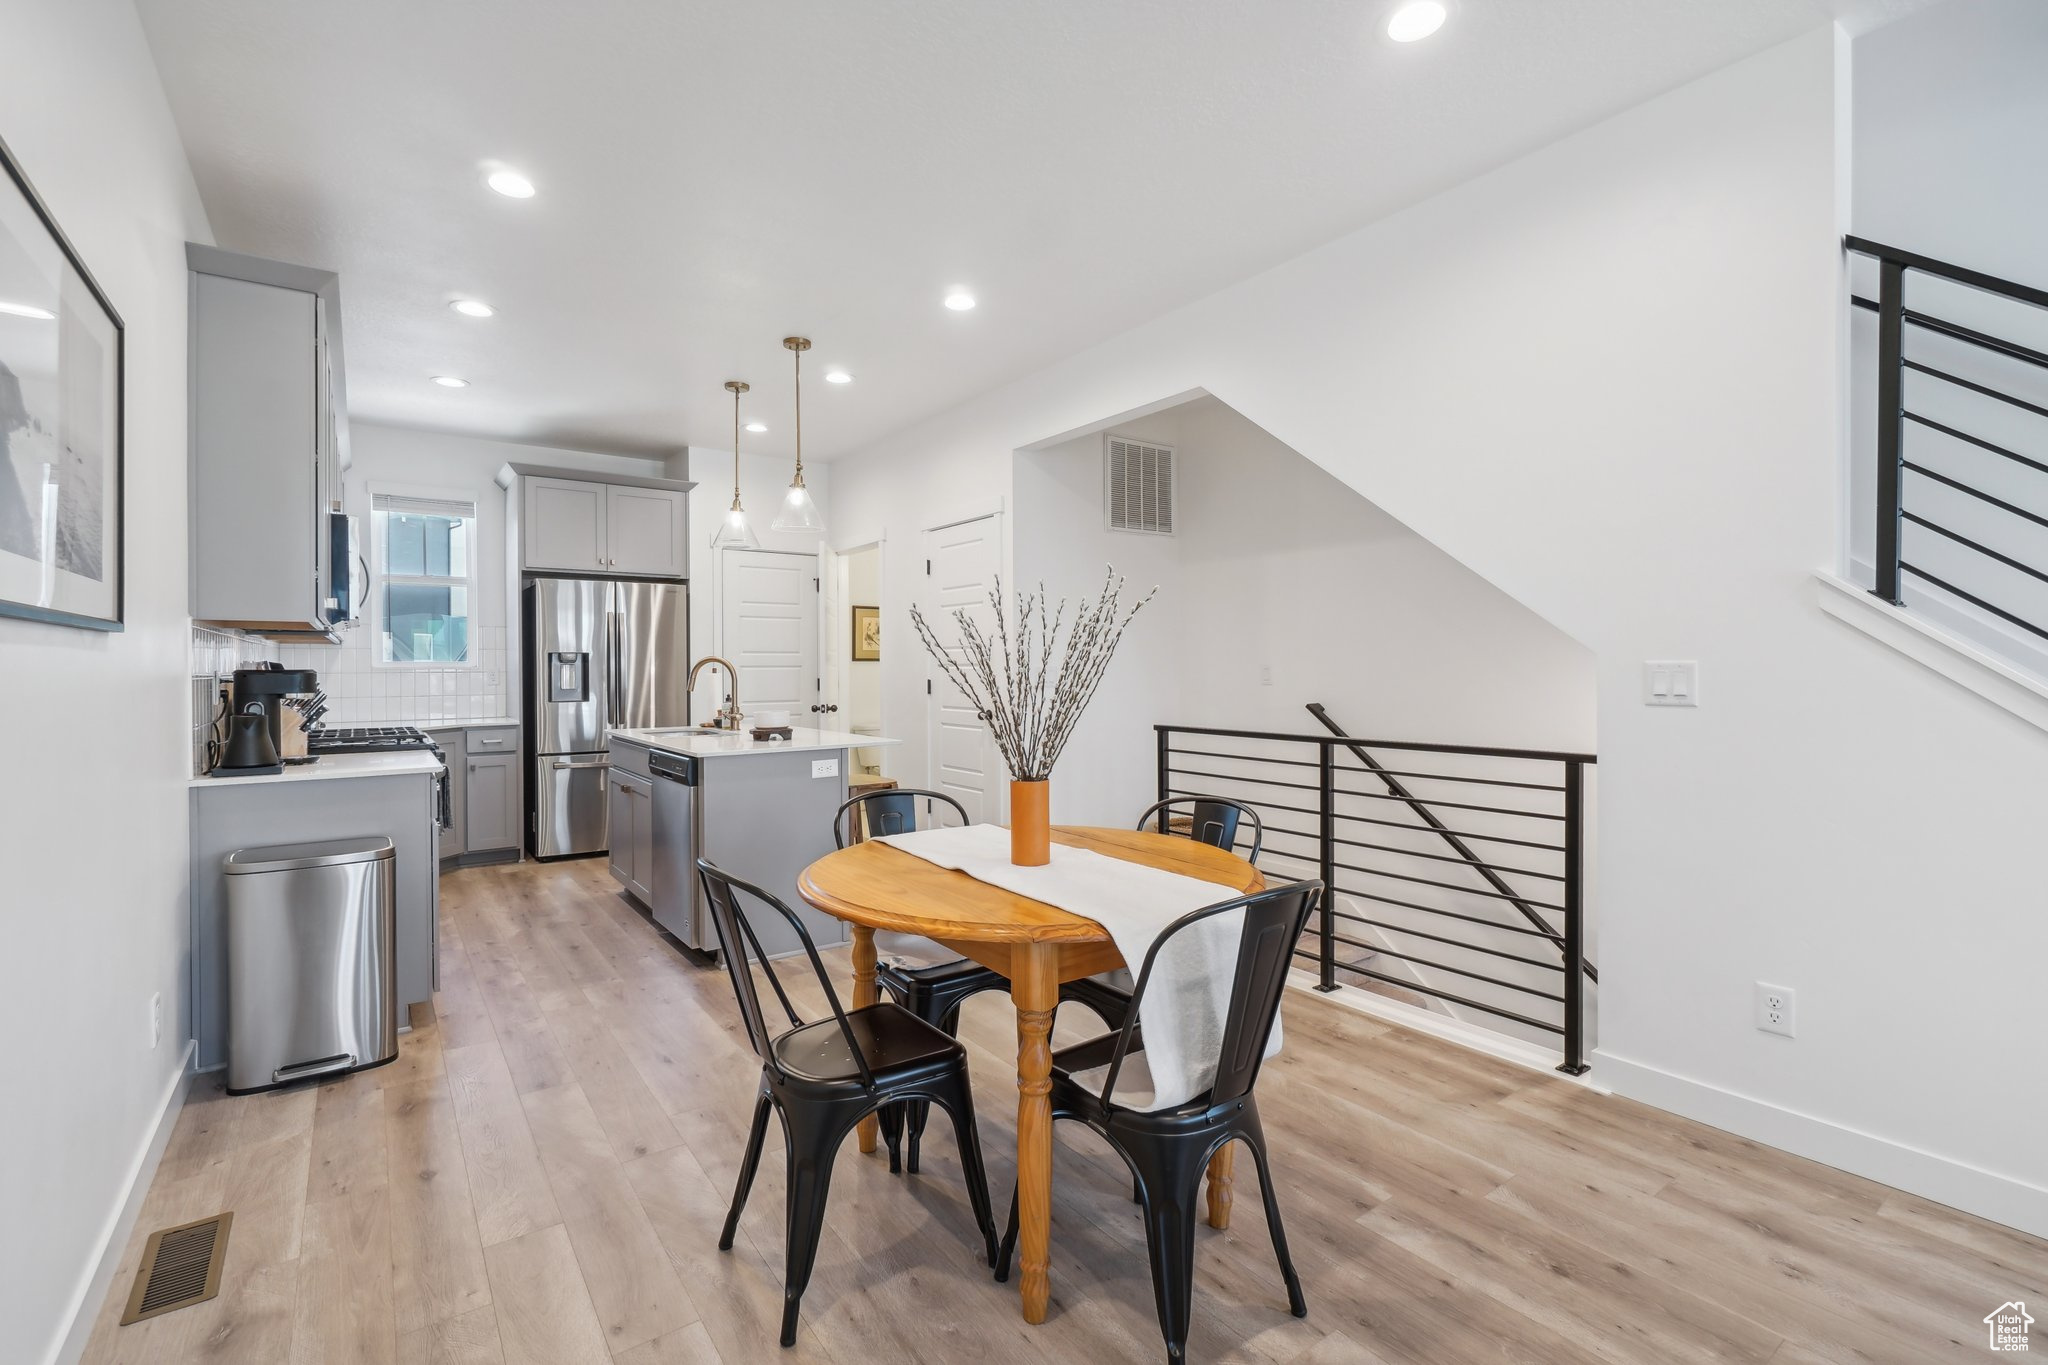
(630, 813)
(490, 802)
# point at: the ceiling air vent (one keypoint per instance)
(1138, 479)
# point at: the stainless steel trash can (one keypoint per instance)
(311, 961)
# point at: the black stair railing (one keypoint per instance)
(1463, 849)
(1418, 870)
(1897, 506)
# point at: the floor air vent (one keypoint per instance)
(180, 1267)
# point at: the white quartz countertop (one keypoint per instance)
(332, 766)
(721, 743)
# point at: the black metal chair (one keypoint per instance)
(823, 1078)
(1214, 820)
(921, 974)
(1168, 1150)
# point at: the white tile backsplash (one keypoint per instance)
(361, 693)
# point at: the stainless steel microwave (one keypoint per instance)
(349, 570)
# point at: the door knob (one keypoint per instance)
(833, 708)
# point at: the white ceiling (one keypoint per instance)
(715, 175)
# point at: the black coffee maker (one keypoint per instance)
(261, 689)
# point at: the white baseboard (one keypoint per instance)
(92, 1290)
(1444, 1026)
(2001, 1198)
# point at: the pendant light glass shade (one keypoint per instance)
(733, 532)
(799, 511)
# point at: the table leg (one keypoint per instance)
(1222, 1177)
(864, 994)
(1035, 990)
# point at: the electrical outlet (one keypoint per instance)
(824, 767)
(1777, 1009)
(156, 1020)
(1265, 675)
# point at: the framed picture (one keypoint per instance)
(867, 634)
(60, 424)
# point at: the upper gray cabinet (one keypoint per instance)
(268, 438)
(565, 525)
(643, 530)
(589, 526)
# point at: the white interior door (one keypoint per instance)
(768, 628)
(961, 564)
(834, 647)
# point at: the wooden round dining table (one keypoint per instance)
(1037, 946)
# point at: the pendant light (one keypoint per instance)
(733, 532)
(799, 512)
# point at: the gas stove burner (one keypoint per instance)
(367, 739)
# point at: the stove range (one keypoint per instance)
(383, 739)
(367, 739)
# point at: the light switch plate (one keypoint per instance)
(1671, 682)
(824, 767)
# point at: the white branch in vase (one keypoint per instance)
(1028, 687)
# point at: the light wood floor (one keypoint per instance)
(539, 1180)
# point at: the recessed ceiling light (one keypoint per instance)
(959, 300)
(449, 381)
(472, 308)
(511, 184)
(838, 377)
(757, 426)
(1416, 20)
(26, 310)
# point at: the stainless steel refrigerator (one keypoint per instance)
(599, 656)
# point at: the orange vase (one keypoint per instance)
(1030, 824)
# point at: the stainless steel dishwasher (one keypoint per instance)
(312, 947)
(678, 834)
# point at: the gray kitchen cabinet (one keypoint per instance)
(268, 439)
(565, 525)
(603, 527)
(630, 815)
(491, 801)
(644, 531)
(454, 841)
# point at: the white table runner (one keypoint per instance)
(1188, 997)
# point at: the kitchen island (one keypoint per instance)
(760, 809)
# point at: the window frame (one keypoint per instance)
(380, 576)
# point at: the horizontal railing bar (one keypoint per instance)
(1982, 340)
(1451, 886)
(1384, 824)
(1977, 441)
(1928, 265)
(1247, 758)
(2022, 622)
(1977, 493)
(1436, 910)
(1447, 858)
(1262, 781)
(1974, 386)
(1325, 741)
(1460, 971)
(1457, 943)
(1959, 538)
(1439, 995)
(1448, 805)
(1481, 781)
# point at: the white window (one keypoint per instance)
(424, 553)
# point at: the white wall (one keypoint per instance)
(864, 676)
(1606, 377)
(93, 821)
(403, 458)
